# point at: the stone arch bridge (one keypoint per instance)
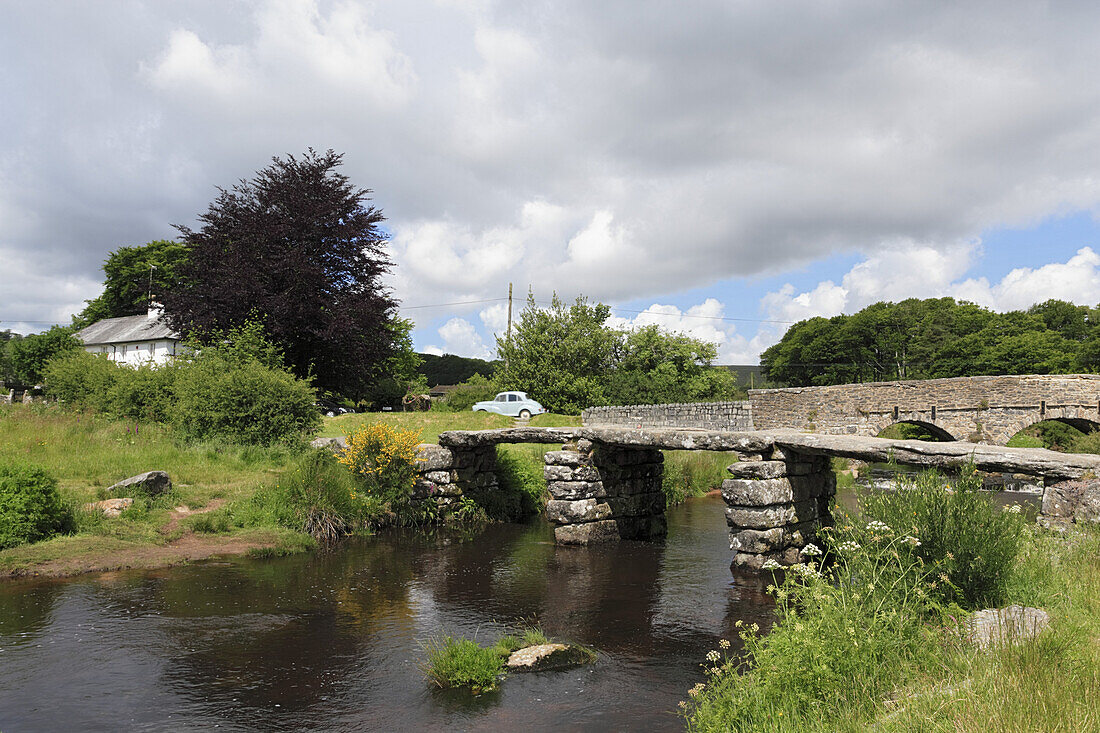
(973, 409)
(605, 482)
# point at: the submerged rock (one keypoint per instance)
(1006, 625)
(544, 657)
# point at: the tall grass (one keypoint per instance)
(871, 639)
(694, 473)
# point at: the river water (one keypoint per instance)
(334, 641)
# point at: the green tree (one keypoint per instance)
(30, 354)
(568, 358)
(561, 356)
(132, 272)
(302, 247)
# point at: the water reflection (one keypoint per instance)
(333, 641)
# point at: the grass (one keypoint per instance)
(430, 424)
(694, 473)
(454, 662)
(869, 648)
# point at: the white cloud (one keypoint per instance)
(574, 147)
(461, 338)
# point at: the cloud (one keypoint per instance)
(461, 338)
(573, 147)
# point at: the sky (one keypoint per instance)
(721, 168)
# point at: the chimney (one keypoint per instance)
(156, 310)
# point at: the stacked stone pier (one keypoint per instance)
(605, 493)
(775, 506)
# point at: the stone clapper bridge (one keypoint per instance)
(605, 483)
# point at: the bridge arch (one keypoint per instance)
(1084, 424)
(939, 433)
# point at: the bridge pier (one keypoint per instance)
(605, 493)
(776, 505)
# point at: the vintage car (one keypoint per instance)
(515, 404)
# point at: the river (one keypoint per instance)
(333, 641)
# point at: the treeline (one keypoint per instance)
(938, 337)
(452, 369)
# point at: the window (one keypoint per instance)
(502, 398)
(513, 398)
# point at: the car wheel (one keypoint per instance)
(525, 414)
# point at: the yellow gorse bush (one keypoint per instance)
(384, 457)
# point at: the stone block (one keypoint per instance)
(776, 515)
(573, 512)
(588, 533)
(758, 470)
(424, 489)
(637, 505)
(755, 561)
(1077, 499)
(642, 528)
(571, 473)
(747, 492)
(431, 457)
(437, 477)
(573, 490)
(774, 539)
(567, 458)
(150, 483)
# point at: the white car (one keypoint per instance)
(514, 404)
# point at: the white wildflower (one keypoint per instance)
(811, 550)
(877, 526)
(713, 655)
(849, 546)
(911, 540)
(1014, 509)
(771, 564)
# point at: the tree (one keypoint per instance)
(30, 354)
(568, 358)
(299, 247)
(132, 272)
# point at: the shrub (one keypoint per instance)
(317, 497)
(693, 473)
(475, 389)
(462, 663)
(142, 393)
(383, 457)
(81, 379)
(31, 508)
(242, 402)
(961, 532)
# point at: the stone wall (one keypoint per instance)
(776, 505)
(605, 493)
(711, 415)
(975, 409)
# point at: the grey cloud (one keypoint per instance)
(722, 139)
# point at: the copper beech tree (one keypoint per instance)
(298, 247)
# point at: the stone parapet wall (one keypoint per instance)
(605, 493)
(710, 415)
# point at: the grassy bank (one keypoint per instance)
(875, 639)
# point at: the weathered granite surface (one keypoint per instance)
(1006, 625)
(151, 483)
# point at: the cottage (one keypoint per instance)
(132, 340)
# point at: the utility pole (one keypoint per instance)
(508, 338)
(150, 294)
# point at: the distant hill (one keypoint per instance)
(451, 369)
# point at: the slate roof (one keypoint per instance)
(124, 329)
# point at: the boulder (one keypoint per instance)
(432, 457)
(1006, 625)
(588, 533)
(150, 483)
(110, 507)
(545, 657)
(572, 512)
(336, 445)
